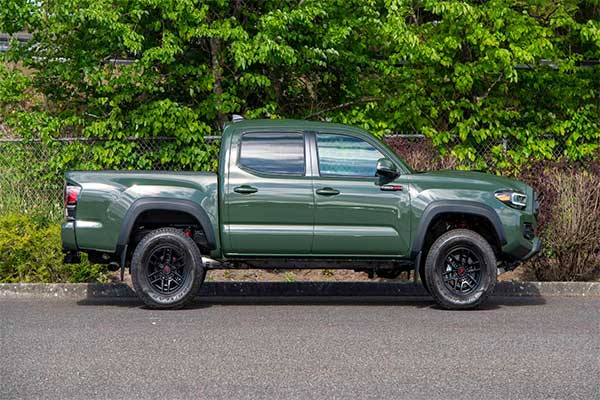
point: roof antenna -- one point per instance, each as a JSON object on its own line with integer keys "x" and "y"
{"x": 236, "y": 118}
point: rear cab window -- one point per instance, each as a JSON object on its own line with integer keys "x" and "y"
{"x": 273, "y": 153}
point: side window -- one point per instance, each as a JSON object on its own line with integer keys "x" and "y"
{"x": 273, "y": 153}
{"x": 346, "y": 156}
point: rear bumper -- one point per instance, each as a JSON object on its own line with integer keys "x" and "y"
{"x": 72, "y": 257}
{"x": 69, "y": 244}
{"x": 67, "y": 236}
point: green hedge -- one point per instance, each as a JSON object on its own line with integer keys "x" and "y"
{"x": 30, "y": 251}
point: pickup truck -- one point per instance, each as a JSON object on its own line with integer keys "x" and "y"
{"x": 300, "y": 194}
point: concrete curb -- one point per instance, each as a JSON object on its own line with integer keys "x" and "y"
{"x": 295, "y": 289}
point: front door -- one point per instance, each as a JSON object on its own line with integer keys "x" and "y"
{"x": 354, "y": 216}
{"x": 269, "y": 196}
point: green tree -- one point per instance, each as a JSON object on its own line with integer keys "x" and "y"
{"x": 465, "y": 73}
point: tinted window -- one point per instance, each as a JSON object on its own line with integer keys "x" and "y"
{"x": 273, "y": 153}
{"x": 346, "y": 156}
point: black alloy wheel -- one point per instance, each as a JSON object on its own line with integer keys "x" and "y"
{"x": 463, "y": 271}
{"x": 166, "y": 269}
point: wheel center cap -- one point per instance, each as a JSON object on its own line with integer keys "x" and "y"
{"x": 461, "y": 271}
{"x": 167, "y": 269}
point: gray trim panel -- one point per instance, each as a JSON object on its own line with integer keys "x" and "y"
{"x": 147, "y": 204}
{"x": 455, "y": 207}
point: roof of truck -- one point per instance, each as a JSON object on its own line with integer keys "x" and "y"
{"x": 241, "y": 126}
{"x": 287, "y": 123}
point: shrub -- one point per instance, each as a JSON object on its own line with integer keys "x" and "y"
{"x": 30, "y": 251}
{"x": 571, "y": 232}
{"x": 421, "y": 155}
{"x": 541, "y": 175}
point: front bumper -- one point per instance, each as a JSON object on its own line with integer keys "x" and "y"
{"x": 526, "y": 252}
{"x": 535, "y": 249}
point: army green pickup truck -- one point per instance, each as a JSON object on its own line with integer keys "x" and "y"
{"x": 298, "y": 194}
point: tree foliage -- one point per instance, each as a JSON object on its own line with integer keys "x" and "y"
{"x": 465, "y": 73}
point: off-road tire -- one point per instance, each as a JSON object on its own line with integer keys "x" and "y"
{"x": 192, "y": 266}
{"x": 437, "y": 265}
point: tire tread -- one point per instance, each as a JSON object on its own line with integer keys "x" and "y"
{"x": 440, "y": 242}
{"x": 138, "y": 255}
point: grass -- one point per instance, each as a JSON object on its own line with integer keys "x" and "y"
{"x": 289, "y": 277}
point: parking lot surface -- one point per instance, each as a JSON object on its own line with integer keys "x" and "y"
{"x": 305, "y": 348}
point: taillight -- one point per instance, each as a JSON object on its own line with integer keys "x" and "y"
{"x": 71, "y": 195}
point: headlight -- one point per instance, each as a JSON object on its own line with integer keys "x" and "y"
{"x": 512, "y": 199}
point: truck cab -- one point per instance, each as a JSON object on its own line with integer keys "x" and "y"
{"x": 311, "y": 192}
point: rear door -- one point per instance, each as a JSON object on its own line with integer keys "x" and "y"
{"x": 354, "y": 215}
{"x": 269, "y": 195}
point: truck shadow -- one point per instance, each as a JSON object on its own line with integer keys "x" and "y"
{"x": 313, "y": 293}
{"x": 404, "y": 301}
{"x": 401, "y": 301}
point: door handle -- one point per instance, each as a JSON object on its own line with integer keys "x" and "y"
{"x": 245, "y": 189}
{"x": 391, "y": 188}
{"x": 327, "y": 191}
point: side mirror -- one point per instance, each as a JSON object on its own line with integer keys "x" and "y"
{"x": 386, "y": 168}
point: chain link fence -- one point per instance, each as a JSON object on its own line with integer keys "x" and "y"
{"x": 30, "y": 177}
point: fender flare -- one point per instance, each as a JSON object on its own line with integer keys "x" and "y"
{"x": 438, "y": 207}
{"x": 147, "y": 204}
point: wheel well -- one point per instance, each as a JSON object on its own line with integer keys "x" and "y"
{"x": 447, "y": 221}
{"x": 150, "y": 220}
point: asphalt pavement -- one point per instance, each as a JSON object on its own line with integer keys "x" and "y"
{"x": 300, "y": 348}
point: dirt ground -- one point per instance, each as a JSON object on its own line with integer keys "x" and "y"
{"x": 305, "y": 275}
{"x": 313, "y": 275}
